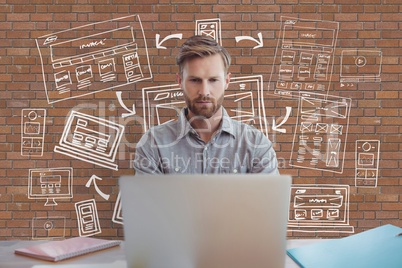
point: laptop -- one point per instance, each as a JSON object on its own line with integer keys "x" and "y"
{"x": 205, "y": 221}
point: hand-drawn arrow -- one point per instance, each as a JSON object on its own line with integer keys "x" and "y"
{"x": 93, "y": 179}
{"x": 131, "y": 112}
{"x": 259, "y": 42}
{"x": 276, "y": 127}
{"x": 158, "y": 44}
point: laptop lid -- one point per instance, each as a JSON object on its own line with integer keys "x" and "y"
{"x": 184, "y": 221}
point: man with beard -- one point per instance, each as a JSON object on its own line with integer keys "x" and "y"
{"x": 204, "y": 139}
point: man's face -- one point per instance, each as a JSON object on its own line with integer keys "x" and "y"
{"x": 203, "y": 82}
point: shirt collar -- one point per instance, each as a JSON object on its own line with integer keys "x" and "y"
{"x": 184, "y": 126}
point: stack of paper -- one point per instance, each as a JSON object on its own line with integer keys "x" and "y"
{"x": 375, "y": 248}
{"x": 60, "y": 250}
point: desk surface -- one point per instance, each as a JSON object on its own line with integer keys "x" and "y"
{"x": 112, "y": 257}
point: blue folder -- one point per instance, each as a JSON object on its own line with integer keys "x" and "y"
{"x": 378, "y": 247}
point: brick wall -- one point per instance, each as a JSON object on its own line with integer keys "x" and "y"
{"x": 348, "y": 32}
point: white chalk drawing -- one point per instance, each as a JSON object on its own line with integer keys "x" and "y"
{"x": 320, "y": 136}
{"x": 210, "y": 28}
{"x": 117, "y": 212}
{"x": 92, "y": 180}
{"x": 172, "y": 36}
{"x": 91, "y": 139}
{"x": 367, "y": 163}
{"x": 50, "y": 184}
{"x": 260, "y": 41}
{"x": 243, "y": 101}
{"x": 93, "y": 57}
{"x": 33, "y": 123}
{"x": 361, "y": 65}
{"x": 87, "y": 218}
{"x": 275, "y": 127}
{"x": 304, "y": 57}
{"x": 130, "y": 112}
{"x": 319, "y": 208}
{"x": 48, "y": 228}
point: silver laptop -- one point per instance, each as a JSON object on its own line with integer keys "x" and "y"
{"x": 205, "y": 221}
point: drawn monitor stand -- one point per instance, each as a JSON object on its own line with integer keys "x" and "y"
{"x": 91, "y": 139}
{"x": 32, "y": 132}
{"x": 319, "y": 208}
{"x": 367, "y": 163}
{"x": 50, "y": 184}
{"x": 243, "y": 101}
{"x": 361, "y": 65}
{"x": 93, "y": 58}
{"x": 304, "y": 57}
{"x": 319, "y": 141}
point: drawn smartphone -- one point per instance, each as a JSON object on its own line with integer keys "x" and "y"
{"x": 32, "y": 132}
{"x": 87, "y": 217}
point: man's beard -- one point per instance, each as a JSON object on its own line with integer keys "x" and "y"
{"x": 205, "y": 112}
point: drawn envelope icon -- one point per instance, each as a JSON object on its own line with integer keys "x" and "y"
{"x": 300, "y": 201}
{"x": 336, "y": 109}
{"x": 306, "y": 126}
{"x": 240, "y": 106}
{"x": 336, "y": 129}
{"x": 168, "y": 111}
{"x": 321, "y": 128}
{"x": 310, "y": 106}
{"x": 336, "y": 201}
{"x": 208, "y": 33}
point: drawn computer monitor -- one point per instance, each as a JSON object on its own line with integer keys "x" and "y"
{"x": 319, "y": 208}
{"x": 50, "y": 184}
{"x": 91, "y": 139}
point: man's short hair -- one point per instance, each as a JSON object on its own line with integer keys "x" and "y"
{"x": 201, "y": 46}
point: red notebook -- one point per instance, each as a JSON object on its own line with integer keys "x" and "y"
{"x": 68, "y": 248}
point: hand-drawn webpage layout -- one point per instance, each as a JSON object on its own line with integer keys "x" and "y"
{"x": 304, "y": 57}
{"x": 93, "y": 58}
{"x": 321, "y": 133}
{"x": 320, "y": 208}
{"x": 303, "y": 70}
{"x": 243, "y": 101}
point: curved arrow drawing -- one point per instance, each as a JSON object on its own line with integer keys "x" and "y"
{"x": 276, "y": 127}
{"x": 131, "y": 112}
{"x": 158, "y": 44}
{"x": 259, "y": 42}
{"x": 93, "y": 179}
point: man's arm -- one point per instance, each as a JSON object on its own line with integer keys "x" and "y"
{"x": 264, "y": 157}
{"x": 146, "y": 160}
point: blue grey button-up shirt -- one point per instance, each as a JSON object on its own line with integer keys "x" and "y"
{"x": 175, "y": 147}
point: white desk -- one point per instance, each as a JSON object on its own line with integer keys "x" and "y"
{"x": 112, "y": 257}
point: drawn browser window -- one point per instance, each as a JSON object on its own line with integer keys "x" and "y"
{"x": 243, "y": 101}
{"x": 304, "y": 57}
{"x": 361, "y": 65}
{"x": 93, "y": 58}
